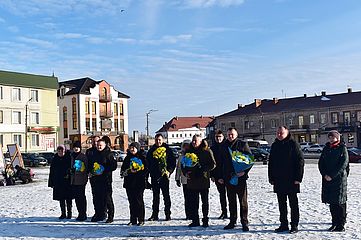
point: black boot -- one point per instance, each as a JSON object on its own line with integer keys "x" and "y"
{"x": 62, "y": 208}
{"x": 294, "y": 229}
{"x": 68, "y": 209}
{"x": 153, "y": 218}
{"x": 205, "y": 222}
{"x": 282, "y": 228}
{"x": 194, "y": 223}
{"x": 223, "y": 215}
{"x": 230, "y": 225}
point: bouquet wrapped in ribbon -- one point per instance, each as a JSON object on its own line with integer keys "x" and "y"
{"x": 98, "y": 169}
{"x": 79, "y": 166}
{"x": 135, "y": 165}
{"x": 161, "y": 155}
{"x": 189, "y": 160}
{"x": 241, "y": 162}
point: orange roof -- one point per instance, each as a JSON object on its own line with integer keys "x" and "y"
{"x": 177, "y": 123}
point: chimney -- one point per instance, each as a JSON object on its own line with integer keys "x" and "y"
{"x": 275, "y": 100}
{"x": 323, "y": 93}
{"x": 305, "y": 95}
{"x": 258, "y": 102}
{"x": 240, "y": 105}
{"x": 349, "y": 90}
{"x": 176, "y": 117}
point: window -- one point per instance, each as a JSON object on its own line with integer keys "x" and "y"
{"x": 35, "y": 118}
{"x": 1, "y": 140}
{"x": 34, "y": 95}
{"x": 65, "y": 132}
{"x": 273, "y": 123}
{"x": 65, "y": 122}
{"x": 246, "y": 124}
{"x": 16, "y": 94}
{"x": 346, "y": 118}
{"x": 121, "y": 125}
{"x": 121, "y": 110}
{"x": 173, "y": 135}
{"x": 87, "y": 107}
{"x": 87, "y": 124}
{"x": 94, "y": 124}
{"x": 176, "y": 135}
{"x": 74, "y": 111}
{"x": 65, "y": 114}
{"x": 334, "y": 117}
{"x": 233, "y": 124}
{"x": 116, "y": 125}
{"x": 323, "y": 118}
{"x": 104, "y": 92}
{"x": 1, "y": 116}
{"x": 35, "y": 140}
{"x": 94, "y": 108}
{"x": 223, "y": 126}
{"x": 16, "y": 117}
{"x": 1, "y": 93}
{"x": 359, "y": 116}
{"x": 313, "y": 138}
{"x": 290, "y": 121}
{"x": 300, "y": 120}
{"x": 18, "y": 139}
{"x": 116, "y": 109}
{"x": 312, "y": 119}
{"x": 180, "y": 135}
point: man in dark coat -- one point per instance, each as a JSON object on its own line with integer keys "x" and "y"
{"x": 285, "y": 173}
{"x": 162, "y": 163}
{"x": 233, "y": 145}
{"x": 102, "y": 164}
{"x": 91, "y": 151}
{"x": 217, "y": 172}
{"x": 333, "y": 166}
{"x": 198, "y": 179}
{"x": 59, "y": 180}
{"x": 79, "y": 179}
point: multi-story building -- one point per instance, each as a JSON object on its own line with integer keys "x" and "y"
{"x": 88, "y": 107}
{"x": 308, "y": 118}
{"x": 28, "y": 111}
{"x": 183, "y": 128}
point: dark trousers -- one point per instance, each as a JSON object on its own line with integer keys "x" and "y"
{"x": 99, "y": 192}
{"x": 338, "y": 213}
{"x": 65, "y": 206}
{"x": 222, "y": 196}
{"x": 156, "y": 187}
{"x": 80, "y": 199}
{"x": 109, "y": 201}
{"x": 187, "y": 202}
{"x": 282, "y": 205}
{"x": 194, "y": 200}
{"x": 241, "y": 191}
{"x": 136, "y": 204}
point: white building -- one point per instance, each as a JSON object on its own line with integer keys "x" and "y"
{"x": 88, "y": 107}
{"x": 28, "y": 111}
{"x": 183, "y": 128}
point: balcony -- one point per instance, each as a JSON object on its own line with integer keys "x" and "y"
{"x": 105, "y": 98}
{"x": 106, "y": 114}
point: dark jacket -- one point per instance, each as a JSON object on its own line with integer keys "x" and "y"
{"x": 333, "y": 162}
{"x": 107, "y": 160}
{"x": 285, "y": 166}
{"x": 154, "y": 167}
{"x": 228, "y": 169}
{"x": 59, "y": 177}
{"x": 79, "y": 177}
{"x": 198, "y": 176}
{"x": 135, "y": 180}
{"x": 219, "y": 156}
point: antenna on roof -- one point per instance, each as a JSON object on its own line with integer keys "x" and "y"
{"x": 53, "y": 74}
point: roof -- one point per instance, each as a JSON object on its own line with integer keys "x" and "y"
{"x": 297, "y": 103}
{"x": 28, "y": 80}
{"x": 83, "y": 85}
{"x": 177, "y": 123}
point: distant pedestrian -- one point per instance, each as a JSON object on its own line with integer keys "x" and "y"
{"x": 333, "y": 165}
{"x": 59, "y": 180}
{"x": 217, "y": 173}
{"x": 285, "y": 173}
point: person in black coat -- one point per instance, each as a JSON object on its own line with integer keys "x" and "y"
{"x": 134, "y": 182}
{"x": 101, "y": 167}
{"x": 59, "y": 180}
{"x": 285, "y": 173}
{"x": 79, "y": 179}
{"x": 217, "y": 172}
{"x": 233, "y": 145}
{"x": 162, "y": 163}
{"x": 333, "y": 166}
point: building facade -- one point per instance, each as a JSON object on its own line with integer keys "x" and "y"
{"x": 179, "y": 129}
{"x": 28, "y": 111}
{"x": 88, "y": 108}
{"x": 308, "y": 118}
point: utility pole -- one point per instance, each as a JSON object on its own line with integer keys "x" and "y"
{"x": 26, "y": 125}
{"x": 147, "y": 114}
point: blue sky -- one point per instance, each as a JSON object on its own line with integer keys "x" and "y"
{"x": 188, "y": 57}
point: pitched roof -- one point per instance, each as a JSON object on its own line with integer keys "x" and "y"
{"x": 297, "y": 103}
{"x": 28, "y": 80}
{"x": 177, "y": 123}
{"x": 83, "y": 85}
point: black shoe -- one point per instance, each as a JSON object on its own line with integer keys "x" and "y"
{"x": 194, "y": 224}
{"x": 62, "y": 216}
{"x": 205, "y": 222}
{"x": 294, "y": 230}
{"x": 68, "y": 216}
{"x": 245, "y": 228}
{"x": 168, "y": 218}
{"x": 109, "y": 220}
{"x": 230, "y": 225}
{"x": 338, "y": 229}
{"x": 331, "y": 228}
{"x": 281, "y": 229}
{"x": 81, "y": 218}
{"x": 223, "y": 216}
{"x": 97, "y": 219}
{"x": 131, "y": 223}
{"x": 153, "y": 218}
{"x": 141, "y": 223}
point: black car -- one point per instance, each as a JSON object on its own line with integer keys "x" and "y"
{"x": 48, "y": 156}
{"x": 260, "y": 154}
{"x": 33, "y": 160}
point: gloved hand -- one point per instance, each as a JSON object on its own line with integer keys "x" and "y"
{"x": 179, "y": 184}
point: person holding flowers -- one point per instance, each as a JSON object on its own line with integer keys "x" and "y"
{"x": 134, "y": 170}
{"x": 162, "y": 163}
{"x": 196, "y": 165}
{"x": 238, "y": 162}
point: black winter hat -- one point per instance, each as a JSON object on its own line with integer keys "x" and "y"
{"x": 136, "y": 145}
{"x": 77, "y": 144}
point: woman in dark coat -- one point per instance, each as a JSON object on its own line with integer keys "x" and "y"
{"x": 134, "y": 171}
{"x": 333, "y": 165}
{"x": 79, "y": 179}
{"x": 59, "y": 180}
{"x": 285, "y": 173}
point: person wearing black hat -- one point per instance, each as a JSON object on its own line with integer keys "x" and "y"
{"x": 134, "y": 171}
{"x": 333, "y": 165}
{"x": 79, "y": 179}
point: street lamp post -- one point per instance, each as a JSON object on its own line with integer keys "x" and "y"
{"x": 26, "y": 125}
{"x": 147, "y": 114}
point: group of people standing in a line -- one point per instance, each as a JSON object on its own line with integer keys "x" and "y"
{"x": 69, "y": 173}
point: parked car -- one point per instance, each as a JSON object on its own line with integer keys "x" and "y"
{"x": 48, "y": 156}
{"x": 315, "y": 148}
{"x": 175, "y": 151}
{"x": 260, "y": 154}
{"x": 266, "y": 148}
{"x": 354, "y": 155}
{"x": 305, "y": 145}
{"x": 119, "y": 155}
{"x": 33, "y": 160}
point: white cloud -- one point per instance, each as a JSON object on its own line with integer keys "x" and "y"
{"x": 126, "y": 40}
{"x": 70, "y": 35}
{"x": 167, "y": 39}
{"x": 38, "y": 42}
{"x": 98, "y": 40}
{"x": 211, "y": 3}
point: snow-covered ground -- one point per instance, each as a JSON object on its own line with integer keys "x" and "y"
{"x": 28, "y": 212}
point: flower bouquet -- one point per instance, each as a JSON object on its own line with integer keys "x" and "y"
{"x": 98, "y": 169}
{"x": 79, "y": 166}
{"x": 241, "y": 162}
{"x": 136, "y": 165}
{"x": 161, "y": 155}
{"x": 190, "y": 163}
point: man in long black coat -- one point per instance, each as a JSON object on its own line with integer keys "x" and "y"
{"x": 285, "y": 173}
